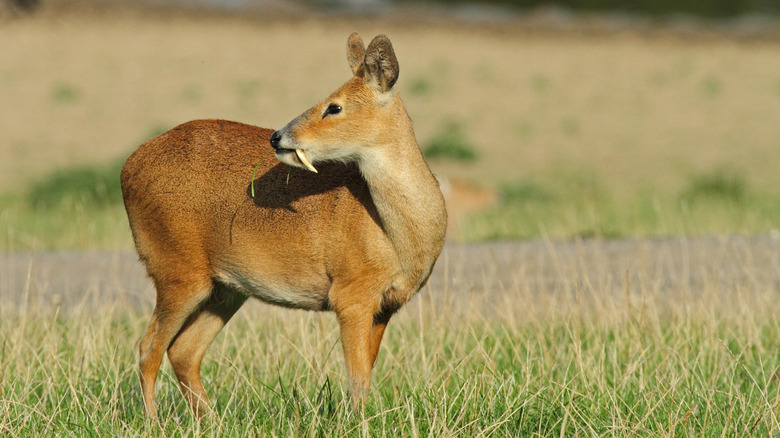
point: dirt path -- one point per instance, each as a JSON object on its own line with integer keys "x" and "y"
{"x": 88, "y": 281}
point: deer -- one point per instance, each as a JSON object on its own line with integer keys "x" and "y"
{"x": 349, "y": 218}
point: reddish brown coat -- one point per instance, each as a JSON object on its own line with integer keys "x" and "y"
{"x": 359, "y": 237}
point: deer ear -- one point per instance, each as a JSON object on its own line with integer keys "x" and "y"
{"x": 356, "y": 54}
{"x": 381, "y": 64}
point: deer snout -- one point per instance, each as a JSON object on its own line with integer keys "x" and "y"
{"x": 276, "y": 139}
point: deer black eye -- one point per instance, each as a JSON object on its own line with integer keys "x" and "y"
{"x": 331, "y": 110}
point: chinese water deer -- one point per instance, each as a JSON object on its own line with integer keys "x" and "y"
{"x": 351, "y": 220}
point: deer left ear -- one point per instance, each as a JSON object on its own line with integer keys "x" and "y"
{"x": 381, "y": 64}
{"x": 356, "y": 54}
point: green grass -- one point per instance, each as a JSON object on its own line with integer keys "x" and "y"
{"x": 81, "y": 208}
{"x": 666, "y": 363}
{"x": 717, "y": 202}
{"x": 95, "y": 186}
{"x": 65, "y": 93}
{"x": 711, "y": 86}
{"x": 720, "y": 185}
{"x": 25, "y": 227}
{"x": 78, "y": 207}
{"x": 581, "y": 359}
{"x": 540, "y": 83}
{"x": 420, "y": 86}
{"x": 450, "y": 144}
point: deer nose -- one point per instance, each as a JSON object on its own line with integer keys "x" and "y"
{"x": 276, "y": 138}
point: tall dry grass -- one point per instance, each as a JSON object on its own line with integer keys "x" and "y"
{"x": 648, "y": 338}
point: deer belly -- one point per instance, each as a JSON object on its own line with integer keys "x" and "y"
{"x": 301, "y": 294}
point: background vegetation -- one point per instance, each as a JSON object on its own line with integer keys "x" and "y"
{"x": 701, "y": 8}
{"x": 559, "y": 136}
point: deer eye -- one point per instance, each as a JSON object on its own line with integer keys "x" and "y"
{"x": 331, "y": 110}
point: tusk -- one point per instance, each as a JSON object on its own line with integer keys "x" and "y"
{"x": 304, "y": 160}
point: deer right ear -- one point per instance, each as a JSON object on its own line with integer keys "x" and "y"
{"x": 356, "y": 54}
{"x": 381, "y": 65}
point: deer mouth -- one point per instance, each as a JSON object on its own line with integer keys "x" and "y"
{"x": 305, "y": 160}
{"x": 301, "y": 157}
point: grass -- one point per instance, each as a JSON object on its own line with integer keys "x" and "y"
{"x": 627, "y": 106}
{"x": 96, "y": 186}
{"x": 639, "y": 350}
{"x": 75, "y": 226}
{"x": 450, "y": 144}
{"x": 64, "y": 93}
{"x": 588, "y": 355}
{"x": 420, "y": 86}
{"x": 641, "y": 114}
{"x": 716, "y": 202}
{"x": 721, "y": 184}
{"x": 81, "y": 208}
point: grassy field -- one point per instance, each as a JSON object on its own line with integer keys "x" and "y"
{"x": 542, "y": 136}
{"x": 564, "y": 135}
{"x": 618, "y": 343}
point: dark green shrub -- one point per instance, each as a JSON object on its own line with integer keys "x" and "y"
{"x": 90, "y": 186}
{"x": 450, "y": 144}
{"x": 520, "y": 192}
{"x": 420, "y": 86}
{"x": 65, "y": 93}
{"x": 723, "y": 185}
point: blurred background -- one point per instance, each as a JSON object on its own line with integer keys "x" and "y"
{"x": 573, "y": 118}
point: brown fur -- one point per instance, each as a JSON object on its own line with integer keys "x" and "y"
{"x": 359, "y": 238}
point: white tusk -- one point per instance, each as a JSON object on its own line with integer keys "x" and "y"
{"x": 304, "y": 160}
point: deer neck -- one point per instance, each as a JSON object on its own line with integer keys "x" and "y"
{"x": 408, "y": 200}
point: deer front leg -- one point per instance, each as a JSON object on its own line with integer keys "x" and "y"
{"x": 356, "y": 325}
{"x": 377, "y": 331}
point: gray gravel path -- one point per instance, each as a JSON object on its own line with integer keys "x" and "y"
{"x": 86, "y": 281}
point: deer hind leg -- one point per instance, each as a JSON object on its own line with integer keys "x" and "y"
{"x": 190, "y": 344}
{"x": 176, "y": 301}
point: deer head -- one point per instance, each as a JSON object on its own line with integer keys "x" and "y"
{"x": 356, "y": 120}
